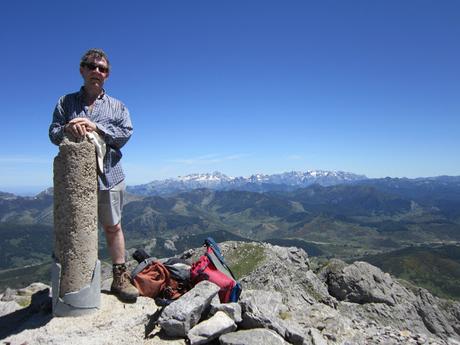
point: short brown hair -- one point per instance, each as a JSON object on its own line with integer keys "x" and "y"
{"x": 97, "y": 53}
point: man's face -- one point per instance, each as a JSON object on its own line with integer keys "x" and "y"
{"x": 94, "y": 72}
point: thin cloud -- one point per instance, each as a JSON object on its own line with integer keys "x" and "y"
{"x": 208, "y": 159}
{"x": 295, "y": 157}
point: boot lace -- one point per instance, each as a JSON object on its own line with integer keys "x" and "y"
{"x": 125, "y": 279}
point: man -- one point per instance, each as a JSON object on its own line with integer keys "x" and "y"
{"x": 92, "y": 110}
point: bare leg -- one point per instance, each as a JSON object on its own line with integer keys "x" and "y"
{"x": 121, "y": 285}
{"x": 115, "y": 242}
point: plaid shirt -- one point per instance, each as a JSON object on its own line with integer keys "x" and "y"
{"x": 112, "y": 119}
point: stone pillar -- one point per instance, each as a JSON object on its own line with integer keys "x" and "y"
{"x": 76, "y": 270}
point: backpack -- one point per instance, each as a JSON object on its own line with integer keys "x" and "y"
{"x": 166, "y": 281}
{"x": 150, "y": 277}
{"x": 211, "y": 266}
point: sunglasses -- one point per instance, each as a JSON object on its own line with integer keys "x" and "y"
{"x": 92, "y": 66}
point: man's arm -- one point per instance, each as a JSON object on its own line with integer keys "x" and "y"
{"x": 117, "y": 132}
{"x": 57, "y": 127}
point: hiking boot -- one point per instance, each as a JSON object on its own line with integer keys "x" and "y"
{"x": 121, "y": 285}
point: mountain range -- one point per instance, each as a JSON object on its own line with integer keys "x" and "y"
{"x": 256, "y": 183}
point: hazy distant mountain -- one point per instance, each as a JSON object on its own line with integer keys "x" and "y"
{"x": 7, "y": 196}
{"x": 361, "y": 215}
{"x": 18, "y": 210}
{"x": 256, "y": 183}
{"x": 428, "y": 188}
{"x": 441, "y": 193}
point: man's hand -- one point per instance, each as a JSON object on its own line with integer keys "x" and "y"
{"x": 79, "y": 126}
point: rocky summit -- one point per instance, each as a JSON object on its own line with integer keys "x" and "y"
{"x": 287, "y": 299}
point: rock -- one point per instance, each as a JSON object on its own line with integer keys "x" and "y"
{"x": 316, "y": 337}
{"x": 184, "y": 313}
{"x": 433, "y": 318}
{"x": 362, "y": 283}
{"x": 115, "y": 323}
{"x": 295, "y": 333}
{"x": 264, "y": 309}
{"x": 334, "y": 326}
{"x": 261, "y": 309}
{"x": 282, "y": 297}
{"x": 37, "y": 299}
{"x": 399, "y": 317}
{"x": 215, "y": 301}
{"x": 211, "y": 329}
{"x": 40, "y": 301}
{"x": 452, "y": 311}
{"x": 233, "y": 310}
{"x": 24, "y": 296}
{"x": 333, "y": 265}
{"x": 8, "y": 295}
{"x": 317, "y": 289}
{"x": 170, "y": 245}
{"x": 287, "y": 270}
{"x": 253, "y": 337}
{"x": 8, "y": 307}
{"x": 292, "y": 255}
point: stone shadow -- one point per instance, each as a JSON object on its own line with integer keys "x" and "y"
{"x": 36, "y": 315}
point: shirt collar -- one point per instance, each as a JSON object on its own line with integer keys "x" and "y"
{"x": 81, "y": 94}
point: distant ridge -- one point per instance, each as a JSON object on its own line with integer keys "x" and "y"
{"x": 255, "y": 182}
{"x": 287, "y": 181}
{"x": 7, "y": 196}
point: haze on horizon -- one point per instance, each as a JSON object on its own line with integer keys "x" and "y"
{"x": 242, "y": 87}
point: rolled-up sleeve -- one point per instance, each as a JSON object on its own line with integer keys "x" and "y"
{"x": 117, "y": 133}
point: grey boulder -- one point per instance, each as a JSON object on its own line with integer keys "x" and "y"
{"x": 211, "y": 329}
{"x": 362, "y": 283}
{"x": 258, "y": 336}
{"x": 183, "y": 314}
{"x": 233, "y": 310}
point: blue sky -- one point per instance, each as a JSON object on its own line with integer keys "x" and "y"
{"x": 241, "y": 87}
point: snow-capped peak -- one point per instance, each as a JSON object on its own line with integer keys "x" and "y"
{"x": 259, "y": 181}
{"x": 215, "y": 176}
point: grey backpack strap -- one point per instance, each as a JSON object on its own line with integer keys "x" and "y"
{"x": 220, "y": 265}
{"x": 141, "y": 266}
{"x": 179, "y": 271}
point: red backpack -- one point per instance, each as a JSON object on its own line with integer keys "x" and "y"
{"x": 211, "y": 266}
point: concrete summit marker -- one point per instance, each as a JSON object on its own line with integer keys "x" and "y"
{"x": 76, "y": 268}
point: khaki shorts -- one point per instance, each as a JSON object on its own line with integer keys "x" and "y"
{"x": 110, "y": 204}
